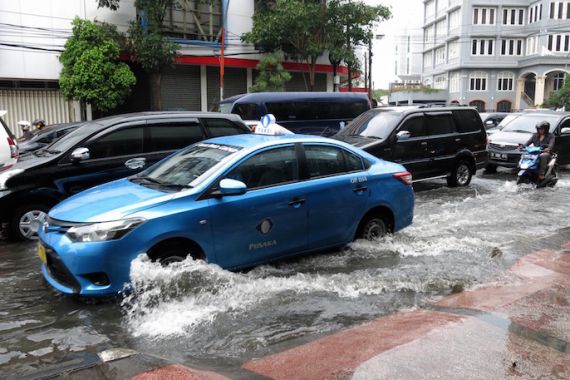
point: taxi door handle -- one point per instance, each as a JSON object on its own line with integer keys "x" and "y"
{"x": 296, "y": 202}
{"x": 360, "y": 189}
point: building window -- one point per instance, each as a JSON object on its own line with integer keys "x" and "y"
{"x": 440, "y": 31}
{"x": 532, "y": 45}
{"x": 453, "y": 50}
{"x": 511, "y": 47}
{"x": 513, "y": 16}
{"x": 455, "y": 83}
{"x": 558, "y": 81}
{"x": 482, "y": 47}
{"x": 484, "y": 16}
{"x": 428, "y": 60}
{"x": 454, "y": 20}
{"x": 478, "y": 81}
{"x": 479, "y": 104}
{"x": 559, "y": 43}
{"x": 440, "y": 82}
{"x": 505, "y": 81}
{"x": 535, "y": 13}
{"x": 430, "y": 9}
{"x": 504, "y": 106}
{"x": 559, "y": 10}
{"x": 440, "y": 55}
{"x": 441, "y": 6}
{"x": 429, "y": 34}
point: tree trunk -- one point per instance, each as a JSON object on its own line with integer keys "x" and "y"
{"x": 155, "y": 83}
{"x": 312, "y": 68}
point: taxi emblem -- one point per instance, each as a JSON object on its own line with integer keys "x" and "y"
{"x": 265, "y": 226}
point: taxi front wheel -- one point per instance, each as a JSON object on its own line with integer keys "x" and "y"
{"x": 26, "y": 221}
{"x": 373, "y": 228}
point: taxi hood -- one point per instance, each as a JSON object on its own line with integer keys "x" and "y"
{"x": 111, "y": 201}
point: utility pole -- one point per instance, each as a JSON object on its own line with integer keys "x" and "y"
{"x": 370, "y": 68}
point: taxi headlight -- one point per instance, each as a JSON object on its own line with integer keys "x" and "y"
{"x": 103, "y": 231}
{"x": 5, "y": 176}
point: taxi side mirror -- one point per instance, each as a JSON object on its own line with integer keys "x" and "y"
{"x": 231, "y": 187}
{"x": 80, "y": 154}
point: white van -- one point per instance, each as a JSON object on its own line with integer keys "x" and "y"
{"x": 8, "y": 147}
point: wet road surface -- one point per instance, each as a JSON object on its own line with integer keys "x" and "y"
{"x": 206, "y": 317}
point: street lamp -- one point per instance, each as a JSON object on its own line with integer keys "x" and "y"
{"x": 369, "y": 79}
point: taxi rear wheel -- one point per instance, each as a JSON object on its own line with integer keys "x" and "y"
{"x": 26, "y": 221}
{"x": 373, "y": 228}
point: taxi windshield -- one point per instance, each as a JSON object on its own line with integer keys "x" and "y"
{"x": 189, "y": 167}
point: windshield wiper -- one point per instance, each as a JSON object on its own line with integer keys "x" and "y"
{"x": 519, "y": 131}
{"x": 160, "y": 183}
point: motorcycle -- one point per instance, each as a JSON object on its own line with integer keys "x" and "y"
{"x": 529, "y": 164}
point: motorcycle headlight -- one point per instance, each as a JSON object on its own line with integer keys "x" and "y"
{"x": 104, "y": 231}
{"x": 5, "y": 176}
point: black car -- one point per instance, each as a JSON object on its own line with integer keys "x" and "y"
{"x": 518, "y": 130}
{"x": 46, "y": 136}
{"x": 431, "y": 142}
{"x": 98, "y": 152}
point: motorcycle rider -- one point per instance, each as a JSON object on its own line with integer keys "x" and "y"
{"x": 39, "y": 124}
{"x": 542, "y": 138}
{"x": 26, "y": 133}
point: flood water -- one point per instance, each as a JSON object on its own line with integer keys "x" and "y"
{"x": 204, "y": 316}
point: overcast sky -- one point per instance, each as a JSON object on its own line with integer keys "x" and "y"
{"x": 405, "y": 14}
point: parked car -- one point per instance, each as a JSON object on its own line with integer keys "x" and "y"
{"x": 503, "y": 144}
{"x": 8, "y": 147}
{"x": 44, "y": 137}
{"x": 235, "y": 201}
{"x": 98, "y": 152}
{"x": 313, "y": 113}
{"x": 431, "y": 142}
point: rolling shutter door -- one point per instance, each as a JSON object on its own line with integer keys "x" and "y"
{"x": 235, "y": 83}
{"x": 180, "y": 88}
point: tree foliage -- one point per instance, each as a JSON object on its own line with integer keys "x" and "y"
{"x": 561, "y": 98}
{"x": 305, "y": 29}
{"x": 91, "y": 70}
{"x": 272, "y": 76}
{"x": 145, "y": 41}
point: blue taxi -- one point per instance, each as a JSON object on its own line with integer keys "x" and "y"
{"x": 235, "y": 201}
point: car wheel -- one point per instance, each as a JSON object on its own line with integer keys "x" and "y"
{"x": 373, "y": 228}
{"x": 460, "y": 176}
{"x": 26, "y": 221}
{"x": 170, "y": 253}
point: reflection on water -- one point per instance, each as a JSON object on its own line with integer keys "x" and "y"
{"x": 199, "y": 313}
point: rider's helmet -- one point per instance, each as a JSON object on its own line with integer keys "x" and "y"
{"x": 39, "y": 123}
{"x": 25, "y": 125}
{"x": 544, "y": 125}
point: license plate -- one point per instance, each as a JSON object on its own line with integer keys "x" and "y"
{"x": 499, "y": 156}
{"x": 42, "y": 253}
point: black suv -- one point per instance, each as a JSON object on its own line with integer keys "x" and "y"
{"x": 98, "y": 152}
{"x": 519, "y": 128}
{"x": 431, "y": 142}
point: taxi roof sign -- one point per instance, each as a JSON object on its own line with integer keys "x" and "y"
{"x": 268, "y": 126}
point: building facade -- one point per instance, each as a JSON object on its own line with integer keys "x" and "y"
{"x": 35, "y": 31}
{"x": 498, "y": 55}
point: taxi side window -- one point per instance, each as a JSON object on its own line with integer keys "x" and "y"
{"x": 268, "y": 168}
{"x": 324, "y": 161}
{"x": 123, "y": 142}
{"x": 415, "y": 126}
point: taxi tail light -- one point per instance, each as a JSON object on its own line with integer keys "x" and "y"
{"x": 404, "y": 177}
{"x": 13, "y": 148}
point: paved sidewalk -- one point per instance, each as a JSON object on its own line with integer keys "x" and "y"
{"x": 518, "y": 327}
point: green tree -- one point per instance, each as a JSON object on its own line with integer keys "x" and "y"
{"x": 145, "y": 41}
{"x": 272, "y": 76}
{"x": 351, "y": 24}
{"x": 296, "y": 27}
{"x": 92, "y": 72}
{"x": 305, "y": 29}
{"x": 561, "y": 98}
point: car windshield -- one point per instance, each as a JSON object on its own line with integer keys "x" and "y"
{"x": 374, "y": 124}
{"x": 527, "y": 123}
{"x": 190, "y": 166}
{"x": 70, "y": 140}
